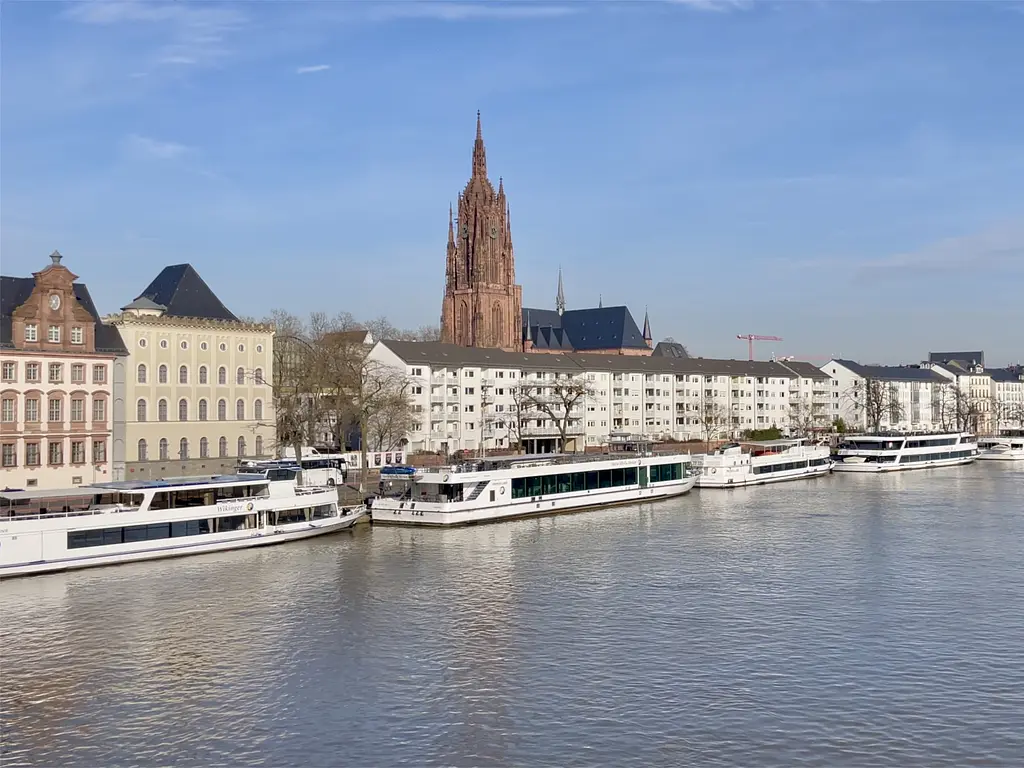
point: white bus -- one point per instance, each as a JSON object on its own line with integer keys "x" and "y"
{"x": 319, "y": 470}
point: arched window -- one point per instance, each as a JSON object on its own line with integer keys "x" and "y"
{"x": 140, "y": 410}
{"x": 140, "y": 373}
{"x": 202, "y": 410}
{"x": 223, "y": 447}
{"x": 462, "y": 324}
{"x": 143, "y": 451}
{"x": 222, "y": 375}
{"x": 240, "y": 376}
{"x": 257, "y": 410}
{"x": 183, "y": 410}
{"x": 202, "y": 375}
{"x": 183, "y": 448}
{"x": 204, "y": 448}
{"x": 240, "y": 410}
{"x": 257, "y": 376}
{"x": 222, "y": 410}
{"x": 259, "y": 445}
{"x": 163, "y": 449}
{"x": 161, "y": 410}
{"x": 183, "y": 375}
{"x": 161, "y": 374}
{"x": 241, "y": 446}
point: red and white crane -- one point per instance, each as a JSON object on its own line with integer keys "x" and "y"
{"x": 750, "y": 338}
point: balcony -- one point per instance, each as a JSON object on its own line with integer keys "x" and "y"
{"x": 532, "y": 430}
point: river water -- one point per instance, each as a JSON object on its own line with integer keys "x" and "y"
{"x": 844, "y": 621}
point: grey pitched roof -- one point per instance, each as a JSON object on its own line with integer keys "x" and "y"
{"x": 14, "y": 291}
{"x": 437, "y": 354}
{"x": 670, "y": 349}
{"x": 970, "y": 358}
{"x": 892, "y": 372}
{"x": 584, "y": 329}
{"x": 1013, "y": 373}
{"x": 185, "y": 294}
{"x": 805, "y": 370}
{"x": 143, "y": 303}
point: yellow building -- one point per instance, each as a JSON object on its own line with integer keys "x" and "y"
{"x": 198, "y": 394}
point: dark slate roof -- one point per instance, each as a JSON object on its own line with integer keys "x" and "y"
{"x": 892, "y": 372}
{"x": 970, "y": 358}
{"x": 437, "y": 354}
{"x": 185, "y": 294}
{"x": 143, "y": 303}
{"x": 1006, "y": 374}
{"x": 14, "y": 291}
{"x": 584, "y": 329}
{"x": 805, "y": 370}
{"x": 670, "y": 349}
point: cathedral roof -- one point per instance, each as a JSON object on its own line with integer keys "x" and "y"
{"x": 584, "y": 329}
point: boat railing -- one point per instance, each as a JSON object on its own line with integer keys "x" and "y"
{"x": 8, "y": 515}
{"x": 555, "y": 459}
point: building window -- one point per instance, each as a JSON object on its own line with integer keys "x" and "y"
{"x": 202, "y": 374}
{"x": 202, "y": 410}
{"x": 241, "y": 447}
{"x": 78, "y": 451}
{"x": 77, "y": 373}
{"x": 32, "y": 409}
{"x": 417, "y": 371}
{"x": 163, "y": 343}
{"x": 99, "y": 409}
{"x": 183, "y": 448}
{"x": 99, "y": 451}
{"x": 257, "y": 376}
{"x": 56, "y": 373}
{"x": 56, "y": 451}
{"x": 184, "y": 345}
{"x": 143, "y": 452}
{"x": 240, "y": 376}
{"x": 203, "y": 346}
{"x": 183, "y": 410}
{"x": 31, "y": 454}
{"x": 10, "y": 456}
{"x": 222, "y": 375}
{"x": 32, "y": 371}
{"x": 222, "y": 447}
{"x": 77, "y": 336}
{"x": 10, "y": 371}
{"x": 142, "y": 343}
{"x": 204, "y": 448}
{"x": 183, "y": 374}
{"x": 55, "y": 409}
{"x": 222, "y": 410}
{"x": 53, "y": 334}
{"x": 164, "y": 452}
{"x": 140, "y": 410}
{"x": 223, "y": 347}
{"x": 140, "y": 374}
{"x": 241, "y": 347}
{"x": 78, "y": 411}
{"x": 240, "y": 410}
{"x": 31, "y": 332}
{"x": 257, "y": 410}
{"x": 259, "y": 445}
{"x": 99, "y": 374}
{"x": 161, "y": 410}
{"x": 259, "y": 347}
{"x": 8, "y": 409}
{"x": 161, "y": 374}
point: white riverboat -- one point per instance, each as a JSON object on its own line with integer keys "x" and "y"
{"x": 755, "y": 463}
{"x": 122, "y": 522}
{"x": 894, "y": 452}
{"x": 1008, "y": 446}
{"x": 520, "y": 486}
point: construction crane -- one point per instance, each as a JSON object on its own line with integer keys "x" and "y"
{"x": 750, "y": 338}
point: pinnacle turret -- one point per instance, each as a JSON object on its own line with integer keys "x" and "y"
{"x": 647, "y": 327}
{"x": 479, "y": 153}
{"x": 560, "y": 296}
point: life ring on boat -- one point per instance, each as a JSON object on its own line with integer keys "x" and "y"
{"x": 502, "y": 490}
{"x": 445, "y": 478}
{"x": 248, "y": 507}
{"x": 713, "y": 471}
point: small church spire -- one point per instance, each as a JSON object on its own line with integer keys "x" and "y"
{"x": 529, "y": 333}
{"x": 600, "y": 301}
{"x": 479, "y": 154}
{"x": 451, "y": 225}
{"x": 647, "y": 327}
{"x": 560, "y": 296}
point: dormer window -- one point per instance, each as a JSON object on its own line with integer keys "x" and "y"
{"x": 77, "y": 336}
{"x": 31, "y": 332}
{"x": 53, "y": 334}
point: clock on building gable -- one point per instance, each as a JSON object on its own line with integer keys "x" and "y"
{"x": 54, "y": 301}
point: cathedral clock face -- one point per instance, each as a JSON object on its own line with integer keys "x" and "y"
{"x": 55, "y": 301}
{"x": 494, "y": 233}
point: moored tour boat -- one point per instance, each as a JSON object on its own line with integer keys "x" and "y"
{"x": 894, "y": 452}
{"x": 121, "y": 522}
{"x": 1008, "y": 446}
{"x": 520, "y": 486}
{"x": 756, "y": 463}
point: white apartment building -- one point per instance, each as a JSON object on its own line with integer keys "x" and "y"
{"x": 465, "y": 397}
{"x": 907, "y": 398}
{"x": 198, "y": 379}
{"x": 1007, "y": 398}
{"x": 993, "y": 397}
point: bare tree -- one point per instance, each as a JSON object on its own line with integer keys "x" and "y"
{"x": 713, "y": 418}
{"x": 959, "y": 409}
{"x": 878, "y": 401}
{"x": 559, "y": 400}
{"x": 517, "y": 416}
{"x": 802, "y": 420}
{"x": 382, "y": 328}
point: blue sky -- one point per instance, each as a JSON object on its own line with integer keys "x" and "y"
{"x": 846, "y": 175}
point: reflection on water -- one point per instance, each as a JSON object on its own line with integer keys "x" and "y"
{"x": 843, "y": 621}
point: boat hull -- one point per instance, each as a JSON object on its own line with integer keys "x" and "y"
{"x": 711, "y": 481}
{"x": 215, "y": 542}
{"x": 875, "y": 467}
{"x": 389, "y": 512}
{"x": 1001, "y": 456}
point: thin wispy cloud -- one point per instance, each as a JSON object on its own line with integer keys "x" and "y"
{"x": 446, "y": 11}
{"x": 717, "y": 6}
{"x": 314, "y": 68}
{"x": 145, "y": 146}
{"x": 1001, "y": 246}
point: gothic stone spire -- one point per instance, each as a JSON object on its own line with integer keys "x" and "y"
{"x": 560, "y": 296}
{"x": 479, "y": 153}
{"x": 647, "y": 327}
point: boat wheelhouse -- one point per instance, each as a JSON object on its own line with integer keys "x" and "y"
{"x": 120, "y": 522}
{"x": 756, "y": 463}
{"x": 1007, "y": 446}
{"x": 520, "y": 486}
{"x": 894, "y": 452}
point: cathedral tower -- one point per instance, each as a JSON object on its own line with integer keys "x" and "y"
{"x": 482, "y": 304}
